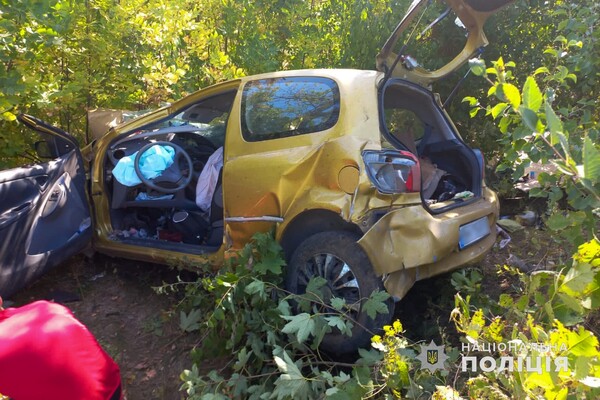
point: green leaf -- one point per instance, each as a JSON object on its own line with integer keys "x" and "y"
{"x": 557, "y": 222}
{"x": 504, "y": 123}
{"x": 529, "y": 117}
{"x": 537, "y": 192}
{"x": 508, "y": 92}
{"x": 582, "y": 367}
{"x": 369, "y": 357}
{"x": 270, "y": 262}
{"x": 561, "y": 39}
{"x": 291, "y": 383}
{"x": 572, "y": 77}
{"x": 190, "y": 322}
{"x": 338, "y": 303}
{"x": 364, "y": 14}
{"x": 554, "y": 124}
{"x": 376, "y": 304}
{"x": 499, "y": 63}
{"x": 582, "y": 343}
{"x": 8, "y": 116}
{"x": 532, "y": 95}
{"x": 254, "y": 287}
{"x": 578, "y": 278}
{"x": 562, "y": 73}
{"x": 339, "y": 323}
{"x": 562, "y": 167}
{"x": 284, "y": 308}
{"x": 471, "y": 100}
{"x": 477, "y": 67}
{"x": 571, "y": 302}
{"x": 302, "y": 325}
{"x": 505, "y": 300}
{"x": 320, "y": 330}
{"x": 589, "y": 253}
{"x": 591, "y": 160}
{"x": 243, "y": 357}
{"x": 498, "y": 109}
{"x": 491, "y": 71}
{"x": 315, "y": 284}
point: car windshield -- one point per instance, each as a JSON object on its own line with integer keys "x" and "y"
{"x": 207, "y": 117}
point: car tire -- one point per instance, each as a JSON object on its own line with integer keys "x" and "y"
{"x": 328, "y": 254}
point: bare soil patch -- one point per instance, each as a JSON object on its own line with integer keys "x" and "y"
{"x": 115, "y": 300}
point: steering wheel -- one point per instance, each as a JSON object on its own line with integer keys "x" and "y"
{"x": 173, "y": 175}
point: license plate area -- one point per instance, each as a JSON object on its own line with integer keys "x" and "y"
{"x": 473, "y": 232}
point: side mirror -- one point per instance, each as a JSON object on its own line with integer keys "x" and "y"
{"x": 44, "y": 150}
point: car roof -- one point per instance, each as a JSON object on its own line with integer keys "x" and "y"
{"x": 343, "y": 75}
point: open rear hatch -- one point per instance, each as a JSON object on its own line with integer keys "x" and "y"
{"x": 470, "y": 14}
{"x": 412, "y": 117}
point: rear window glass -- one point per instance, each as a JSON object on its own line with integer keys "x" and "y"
{"x": 282, "y": 107}
{"x": 400, "y": 122}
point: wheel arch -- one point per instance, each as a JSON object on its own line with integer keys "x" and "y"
{"x": 311, "y": 222}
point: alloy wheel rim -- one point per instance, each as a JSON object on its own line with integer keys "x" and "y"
{"x": 341, "y": 281}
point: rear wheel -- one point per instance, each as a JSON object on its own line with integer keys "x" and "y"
{"x": 337, "y": 258}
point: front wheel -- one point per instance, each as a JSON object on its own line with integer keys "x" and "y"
{"x": 342, "y": 263}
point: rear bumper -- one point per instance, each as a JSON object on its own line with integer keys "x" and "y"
{"x": 412, "y": 240}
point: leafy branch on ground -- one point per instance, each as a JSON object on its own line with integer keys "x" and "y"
{"x": 271, "y": 338}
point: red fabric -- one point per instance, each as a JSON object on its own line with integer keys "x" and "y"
{"x": 45, "y": 353}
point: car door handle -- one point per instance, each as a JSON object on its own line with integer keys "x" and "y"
{"x": 12, "y": 215}
{"x": 55, "y": 199}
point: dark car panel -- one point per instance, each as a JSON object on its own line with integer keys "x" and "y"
{"x": 44, "y": 219}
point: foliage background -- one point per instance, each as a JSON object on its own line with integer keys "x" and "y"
{"x": 59, "y": 58}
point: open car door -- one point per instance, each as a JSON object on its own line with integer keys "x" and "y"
{"x": 472, "y": 15}
{"x": 44, "y": 213}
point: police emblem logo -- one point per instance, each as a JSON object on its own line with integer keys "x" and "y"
{"x": 432, "y": 357}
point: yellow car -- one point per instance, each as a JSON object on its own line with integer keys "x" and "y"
{"x": 362, "y": 175}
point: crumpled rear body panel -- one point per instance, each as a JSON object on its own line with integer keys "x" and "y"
{"x": 410, "y": 244}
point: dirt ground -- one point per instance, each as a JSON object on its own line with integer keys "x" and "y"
{"x": 115, "y": 299}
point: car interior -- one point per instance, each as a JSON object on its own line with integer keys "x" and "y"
{"x": 416, "y": 123}
{"x": 152, "y": 175}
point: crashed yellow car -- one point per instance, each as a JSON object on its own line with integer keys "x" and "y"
{"x": 361, "y": 174}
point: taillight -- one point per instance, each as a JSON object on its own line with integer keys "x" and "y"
{"x": 393, "y": 171}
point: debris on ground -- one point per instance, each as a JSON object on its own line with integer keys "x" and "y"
{"x": 509, "y": 225}
{"x": 528, "y": 218}
{"x": 506, "y": 239}
{"x": 519, "y": 263}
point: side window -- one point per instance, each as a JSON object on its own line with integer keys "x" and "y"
{"x": 51, "y": 147}
{"x": 282, "y": 107}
